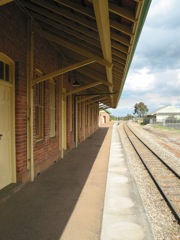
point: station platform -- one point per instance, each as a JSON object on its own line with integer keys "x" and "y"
{"x": 77, "y": 198}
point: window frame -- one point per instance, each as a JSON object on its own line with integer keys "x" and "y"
{"x": 40, "y": 107}
{"x": 52, "y": 108}
{"x": 7, "y": 72}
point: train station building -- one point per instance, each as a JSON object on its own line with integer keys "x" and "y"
{"x": 58, "y": 61}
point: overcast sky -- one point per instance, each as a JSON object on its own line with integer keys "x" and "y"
{"x": 154, "y": 74}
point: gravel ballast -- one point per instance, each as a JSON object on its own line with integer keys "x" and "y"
{"x": 163, "y": 223}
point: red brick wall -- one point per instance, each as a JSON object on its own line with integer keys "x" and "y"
{"x": 47, "y": 150}
{"x": 103, "y": 118}
{"x": 13, "y": 43}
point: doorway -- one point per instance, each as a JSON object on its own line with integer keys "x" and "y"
{"x": 7, "y": 139}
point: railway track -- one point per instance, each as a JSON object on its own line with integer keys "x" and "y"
{"x": 164, "y": 176}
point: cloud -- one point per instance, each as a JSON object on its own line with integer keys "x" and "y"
{"x": 140, "y": 80}
{"x": 154, "y": 74}
{"x": 159, "y": 45}
{"x": 164, "y": 14}
{"x": 160, "y": 51}
{"x": 168, "y": 82}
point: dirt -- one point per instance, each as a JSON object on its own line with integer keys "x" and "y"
{"x": 169, "y": 139}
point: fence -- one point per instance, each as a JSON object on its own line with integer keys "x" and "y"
{"x": 170, "y": 123}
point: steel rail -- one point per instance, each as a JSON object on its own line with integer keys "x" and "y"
{"x": 168, "y": 201}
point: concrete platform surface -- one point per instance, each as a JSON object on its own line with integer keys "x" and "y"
{"x": 65, "y": 202}
{"x": 89, "y": 195}
{"x": 124, "y": 217}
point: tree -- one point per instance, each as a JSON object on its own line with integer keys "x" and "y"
{"x": 113, "y": 118}
{"x": 128, "y": 117}
{"x": 140, "y": 109}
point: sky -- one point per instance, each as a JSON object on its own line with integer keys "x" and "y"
{"x": 154, "y": 74}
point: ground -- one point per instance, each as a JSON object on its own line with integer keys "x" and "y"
{"x": 169, "y": 139}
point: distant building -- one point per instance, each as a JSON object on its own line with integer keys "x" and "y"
{"x": 164, "y": 113}
{"x": 104, "y": 117}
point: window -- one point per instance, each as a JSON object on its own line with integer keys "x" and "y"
{"x": 4, "y": 71}
{"x": 52, "y": 109}
{"x": 39, "y": 108}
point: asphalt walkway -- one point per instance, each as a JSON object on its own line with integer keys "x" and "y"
{"x": 65, "y": 202}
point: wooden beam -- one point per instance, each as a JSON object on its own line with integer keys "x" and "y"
{"x": 101, "y": 8}
{"x": 121, "y": 27}
{"x": 96, "y": 100}
{"x": 60, "y": 11}
{"x": 119, "y": 60}
{"x": 59, "y": 22}
{"x": 83, "y": 88}
{"x": 87, "y": 98}
{"x": 119, "y": 47}
{"x": 119, "y": 54}
{"x": 61, "y": 71}
{"x": 120, "y": 11}
{"x": 120, "y": 39}
{"x": 116, "y": 64}
{"x": 71, "y": 32}
{"x": 3, "y": 2}
{"x": 102, "y": 18}
{"x": 77, "y": 7}
{"x": 94, "y": 77}
{"x": 118, "y": 72}
{"x": 75, "y": 48}
{"x": 30, "y": 102}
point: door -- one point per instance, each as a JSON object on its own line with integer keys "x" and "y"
{"x": 7, "y": 126}
{"x": 5, "y": 136}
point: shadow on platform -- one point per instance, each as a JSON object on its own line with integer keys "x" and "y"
{"x": 41, "y": 209}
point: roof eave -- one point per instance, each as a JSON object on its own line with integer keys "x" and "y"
{"x": 144, "y": 12}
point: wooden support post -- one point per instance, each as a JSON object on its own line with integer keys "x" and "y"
{"x": 30, "y": 105}
{"x": 61, "y": 118}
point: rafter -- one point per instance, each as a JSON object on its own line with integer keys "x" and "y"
{"x": 103, "y": 31}
{"x": 96, "y": 100}
{"x": 94, "y": 76}
{"x": 87, "y": 98}
{"x": 70, "y": 32}
{"x": 101, "y": 9}
{"x": 83, "y": 88}
{"x": 120, "y": 39}
{"x": 74, "y": 48}
{"x": 3, "y": 2}
{"x": 119, "y": 54}
{"x": 59, "y": 22}
{"x": 61, "y": 71}
{"x": 119, "y": 60}
{"x": 60, "y": 11}
{"x": 76, "y": 7}
{"x": 121, "y": 27}
{"x": 114, "y": 8}
{"x": 119, "y": 47}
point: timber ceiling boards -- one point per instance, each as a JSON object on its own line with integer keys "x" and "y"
{"x": 101, "y": 30}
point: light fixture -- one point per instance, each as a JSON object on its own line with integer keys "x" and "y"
{"x": 76, "y": 83}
